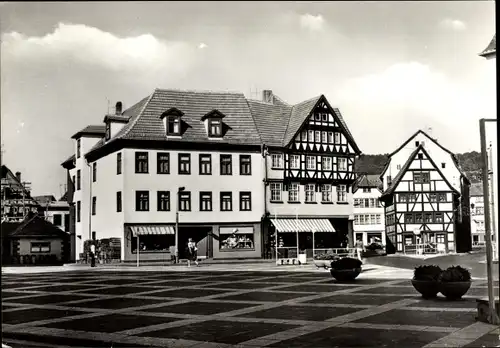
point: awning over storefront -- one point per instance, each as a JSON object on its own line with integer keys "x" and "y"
{"x": 151, "y": 230}
{"x": 303, "y": 225}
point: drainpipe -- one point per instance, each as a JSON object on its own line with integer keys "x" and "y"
{"x": 265, "y": 155}
{"x": 90, "y": 198}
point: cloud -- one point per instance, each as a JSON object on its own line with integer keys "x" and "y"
{"x": 311, "y": 22}
{"x": 410, "y": 96}
{"x": 92, "y": 46}
{"x": 454, "y": 24}
{"x": 202, "y": 45}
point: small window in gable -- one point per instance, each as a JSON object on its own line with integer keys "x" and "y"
{"x": 416, "y": 143}
{"x": 420, "y": 156}
{"x": 214, "y": 124}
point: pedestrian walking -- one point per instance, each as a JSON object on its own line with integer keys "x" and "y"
{"x": 92, "y": 255}
{"x": 359, "y": 248}
{"x": 192, "y": 252}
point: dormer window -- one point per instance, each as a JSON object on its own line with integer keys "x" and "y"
{"x": 108, "y": 131}
{"x": 174, "y": 125}
{"x": 172, "y": 121}
{"x": 213, "y": 123}
{"x": 215, "y": 127}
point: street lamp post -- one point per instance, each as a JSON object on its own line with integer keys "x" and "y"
{"x": 177, "y": 224}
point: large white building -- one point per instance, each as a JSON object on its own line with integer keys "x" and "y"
{"x": 226, "y": 164}
{"x": 426, "y": 198}
{"x": 369, "y": 221}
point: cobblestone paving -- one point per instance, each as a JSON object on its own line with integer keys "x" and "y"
{"x": 199, "y": 308}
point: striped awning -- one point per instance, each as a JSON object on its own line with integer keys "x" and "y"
{"x": 303, "y": 225}
{"x": 151, "y": 230}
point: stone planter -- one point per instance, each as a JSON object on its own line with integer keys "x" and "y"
{"x": 345, "y": 274}
{"x": 428, "y": 288}
{"x": 454, "y": 290}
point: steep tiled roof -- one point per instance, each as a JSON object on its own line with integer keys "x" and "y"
{"x": 367, "y": 180}
{"x": 36, "y": 226}
{"x": 271, "y": 121}
{"x": 492, "y": 47}
{"x": 476, "y": 190}
{"x": 91, "y": 130}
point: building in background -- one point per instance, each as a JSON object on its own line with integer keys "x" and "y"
{"x": 55, "y": 211}
{"x": 201, "y": 155}
{"x": 16, "y": 197}
{"x": 426, "y": 199}
{"x": 477, "y": 214}
{"x": 490, "y": 53}
{"x": 369, "y": 221}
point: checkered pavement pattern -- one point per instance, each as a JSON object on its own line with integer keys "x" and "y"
{"x": 203, "y": 308}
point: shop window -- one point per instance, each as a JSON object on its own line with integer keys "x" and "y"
{"x": 40, "y": 247}
{"x": 239, "y": 238}
{"x": 153, "y": 243}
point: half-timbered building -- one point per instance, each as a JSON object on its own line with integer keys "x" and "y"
{"x": 309, "y": 172}
{"x": 426, "y": 203}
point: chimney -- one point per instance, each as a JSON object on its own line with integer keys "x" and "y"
{"x": 118, "y": 108}
{"x": 18, "y": 176}
{"x": 267, "y": 96}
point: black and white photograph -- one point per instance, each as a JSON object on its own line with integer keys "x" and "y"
{"x": 244, "y": 174}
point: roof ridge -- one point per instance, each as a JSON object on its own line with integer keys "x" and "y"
{"x": 197, "y": 91}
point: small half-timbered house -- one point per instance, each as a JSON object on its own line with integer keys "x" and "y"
{"x": 427, "y": 202}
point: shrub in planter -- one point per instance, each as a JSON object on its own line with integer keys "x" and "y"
{"x": 454, "y": 282}
{"x": 345, "y": 269}
{"x": 425, "y": 280}
{"x": 324, "y": 259}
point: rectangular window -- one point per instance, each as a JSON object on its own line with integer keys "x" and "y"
{"x": 412, "y": 197}
{"x": 107, "y": 135}
{"x": 367, "y": 190}
{"x": 40, "y": 247}
{"x": 78, "y": 147}
{"x": 373, "y": 219}
{"x": 326, "y": 193}
{"x": 310, "y": 193}
{"x": 234, "y": 239}
{"x": 438, "y": 217}
{"x": 421, "y": 177}
{"x": 275, "y": 191}
{"x": 342, "y": 193}
{"x": 318, "y": 137}
{"x": 304, "y": 136}
{"x": 366, "y": 202}
{"x": 428, "y": 218}
{"x": 163, "y": 201}
{"x": 185, "y": 201}
{"x": 337, "y": 138}
{"x": 78, "y": 211}
{"x": 174, "y": 125}
{"x": 398, "y": 166}
{"x": 214, "y": 128}
{"x": 378, "y": 219}
{"x": 356, "y": 219}
{"x": 418, "y": 218}
{"x": 330, "y": 137}
{"x": 443, "y": 165}
{"x": 205, "y": 164}
{"x": 311, "y": 162}
{"x": 324, "y": 117}
{"x": 432, "y": 197}
{"x": 389, "y": 180}
{"x": 276, "y": 161}
{"x": 94, "y": 172}
{"x": 310, "y": 136}
{"x": 416, "y": 143}
{"x": 226, "y": 167}
{"x": 118, "y": 163}
{"x": 293, "y": 192}
{"x": 245, "y": 165}
{"x": 142, "y": 200}
{"x": 184, "y": 163}
{"x": 342, "y": 164}
{"x": 57, "y": 219}
{"x": 94, "y": 203}
{"x": 245, "y": 201}
{"x": 402, "y": 197}
{"x": 442, "y": 197}
{"x": 372, "y": 202}
{"x": 294, "y": 162}
{"x": 361, "y": 219}
{"x": 226, "y": 201}
{"x": 78, "y": 180}
{"x": 326, "y": 163}
{"x": 66, "y": 222}
{"x": 323, "y": 137}
{"x": 317, "y": 117}
{"x": 118, "y": 202}
{"x": 141, "y": 162}
{"x": 420, "y": 156}
{"x": 205, "y": 201}
{"x": 163, "y": 163}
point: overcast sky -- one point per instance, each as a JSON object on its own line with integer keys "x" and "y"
{"x": 391, "y": 67}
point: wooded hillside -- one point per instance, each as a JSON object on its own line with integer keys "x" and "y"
{"x": 374, "y": 164}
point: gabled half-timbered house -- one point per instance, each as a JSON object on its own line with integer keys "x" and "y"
{"x": 427, "y": 202}
{"x": 309, "y": 171}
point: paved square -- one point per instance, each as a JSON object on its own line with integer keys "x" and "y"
{"x": 169, "y": 307}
